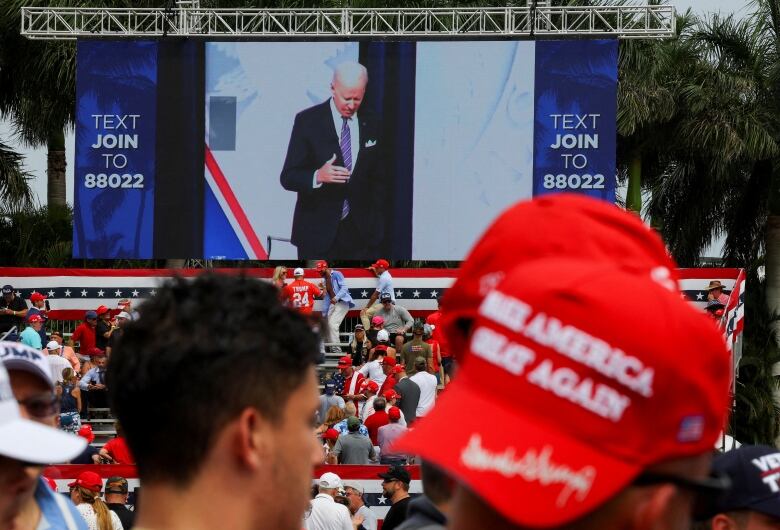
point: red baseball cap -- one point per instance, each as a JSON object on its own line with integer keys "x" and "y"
{"x": 377, "y": 320}
{"x": 88, "y": 480}
{"x": 390, "y": 361}
{"x": 574, "y": 225}
{"x": 345, "y": 362}
{"x": 330, "y": 434}
{"x": 394, "y": 413}
{"x": 381, "y": 263}
{"x": 95, "y": 352}
{"x": 390, "y": 394}
{"x": 37, "y": 297}
{"x": 86, "y": 432}
{"x": 321, "y": 265}
{"x": 369, "y": 385}
{"x": 603, "y": 395}
{"x": 35, "y": 318}
{"x": 102, "y": 309}
{"x": 398, "y": 368}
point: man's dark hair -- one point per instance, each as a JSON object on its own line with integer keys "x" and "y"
{"x": 380, "y": 403}
{"x": 201, "y": 352}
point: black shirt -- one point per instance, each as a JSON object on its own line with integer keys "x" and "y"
{"x": 86, "y": 456}
{"x": 396, "y": 514}
{"x": 9, "y": 321}
{"x": 126, "y": 516}
{"x": 114, "y": 338}
{"x": 102, "y": 327}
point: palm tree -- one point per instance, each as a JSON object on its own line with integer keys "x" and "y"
{"x": 15, "y": 192}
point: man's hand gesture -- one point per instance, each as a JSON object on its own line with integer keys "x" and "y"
{"x": 330, "y": 174}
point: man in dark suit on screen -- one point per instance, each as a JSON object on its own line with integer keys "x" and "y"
{"x": 333, "y": 163}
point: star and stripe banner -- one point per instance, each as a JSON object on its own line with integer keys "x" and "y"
{"x": 71, "y": 292}
{"x": 364, "y": 476}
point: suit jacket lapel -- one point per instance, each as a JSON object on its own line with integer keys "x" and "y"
{"x": 330, "y": 133}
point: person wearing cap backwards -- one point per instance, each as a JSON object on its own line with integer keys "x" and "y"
{"x": 564, "y": 372}
{"x": 336, "y": 301}
{"x": 56, "y": 363}
{"x": 29, "y": 440}
{"x": 300, "y": 294}
{"x": 325, "y": 513}
{"x": 85, "y": 494}
{"x": 329, "y": 399}
{"x": 13, "y": 310}
{"x": 416, "y": 348}
{"x": 353, "y": 491}
{"x": 31, "y": 335}
{"x": 753, "y": 502}
{"x": 103, "y": 327}
{"x": 231, "y": 406}
{"x": 384, "y": 285}
{"x": 84, "y": 333}
{"x": 395, "y": 486}
{"x": 116, "y": 331}
{"x": 350, "y": 381}
{"x": 38, "y": 302}
{"x": 117, "y": 492}
{"x": 397, "y": 320}
{"x": 94, "y": 383}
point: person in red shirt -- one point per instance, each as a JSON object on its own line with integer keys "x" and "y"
{"x": 436, "y": 359}
{"x": 377, "y": 419}
{"x": 352, "y": 380}
{"x": 84, "y": 333}
{"x": 434, "y": 320}
{"x": 301, "y": 294}
{"x": 388, "y": 365}
{"x": 116, "y": 450}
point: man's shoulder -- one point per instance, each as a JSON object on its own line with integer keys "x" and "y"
{"x": 315, "y": 111}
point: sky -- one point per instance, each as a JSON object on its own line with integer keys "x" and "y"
{"x": 36, "y": 158}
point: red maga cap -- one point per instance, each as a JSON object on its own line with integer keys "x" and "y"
{"x": 367, "y": 384}
{"x": 389, "y": 361}
{"x": 568, "y": 391}
{"x": 86, "y": 432}
{"x": 102, "y": 309}
{"x": 390, "y": 394}
{"x": 553, "y": 225}
{"x": 398, "y": 368}
{"x": 88, "y": 480}
{"x": 37, "y": 297}
{"x": 381, "y": 263}
{"x": 321, "y": 265}
{"x": 345, "y": 362}
{"x": 394, "y": 413}
{"x": 35, "y": 318}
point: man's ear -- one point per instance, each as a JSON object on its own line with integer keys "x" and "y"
{"x": 723, "y": 522}
{"x": 252, "y": 439}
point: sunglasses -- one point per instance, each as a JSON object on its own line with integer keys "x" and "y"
{"x": 41, "y": 406}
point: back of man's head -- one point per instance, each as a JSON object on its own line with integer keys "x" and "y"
{"x": 437, "y": 485}
{"x": 379, "y": 404}
{"x": 201, "y": 353}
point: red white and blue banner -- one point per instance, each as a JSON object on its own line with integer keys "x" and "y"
{"x": 365, "y": 476}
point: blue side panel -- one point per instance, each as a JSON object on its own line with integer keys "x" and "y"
{"x": 575, "y": 117}
{"x": 116, "y": 113}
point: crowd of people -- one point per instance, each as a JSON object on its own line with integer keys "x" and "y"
{"x": 546, "y": 407}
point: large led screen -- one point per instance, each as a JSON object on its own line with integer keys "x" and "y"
{"x": 351, "y": 150}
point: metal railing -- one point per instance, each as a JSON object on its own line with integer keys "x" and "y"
{"x": 621, "y": 21}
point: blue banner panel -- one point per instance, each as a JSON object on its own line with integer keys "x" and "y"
{"x": 116, "y": 111}
{"x": 575, "y": 117}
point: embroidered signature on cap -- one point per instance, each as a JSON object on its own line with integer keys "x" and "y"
{"x": 532, "y": 466}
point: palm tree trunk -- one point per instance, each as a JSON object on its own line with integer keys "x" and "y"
{"x": 55, "y": 170}
{"x": 634, "y": 192}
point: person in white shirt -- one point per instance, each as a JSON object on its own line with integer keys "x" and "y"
{"x": 373, "y": 368}
{"x": 325, "y": 513}
{"x": 354, "y": 493}
{"x": 428, "y": 385}
{"x": 57, "y": 363}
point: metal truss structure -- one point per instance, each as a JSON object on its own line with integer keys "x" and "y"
{"x": 187, "y": 19}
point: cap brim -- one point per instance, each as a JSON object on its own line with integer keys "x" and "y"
{"x": 509, "y": 457}
{"x": 32, "y": 442}
{"x": 29, "y": 367}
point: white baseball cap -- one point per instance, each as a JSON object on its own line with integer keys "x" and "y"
{"x": 125, "y": 315}
{"x": 53, "y": 345}
{"x": 330, "y": 481}
{"x": 17, "y": 356}
{"x": 27, "y": 440}
{"x": 355, "y": 486}
{"x": 298, "y": 272}
{"x": 382, "y": 335}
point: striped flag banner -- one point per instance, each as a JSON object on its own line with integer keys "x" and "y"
{"x": 365, "y": 476}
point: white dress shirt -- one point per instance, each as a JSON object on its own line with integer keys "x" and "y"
{"x": 428, "y": 384}
{"x": 327, "y": 515}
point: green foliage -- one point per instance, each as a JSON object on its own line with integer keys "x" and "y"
{"x": 757, "y": 416}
